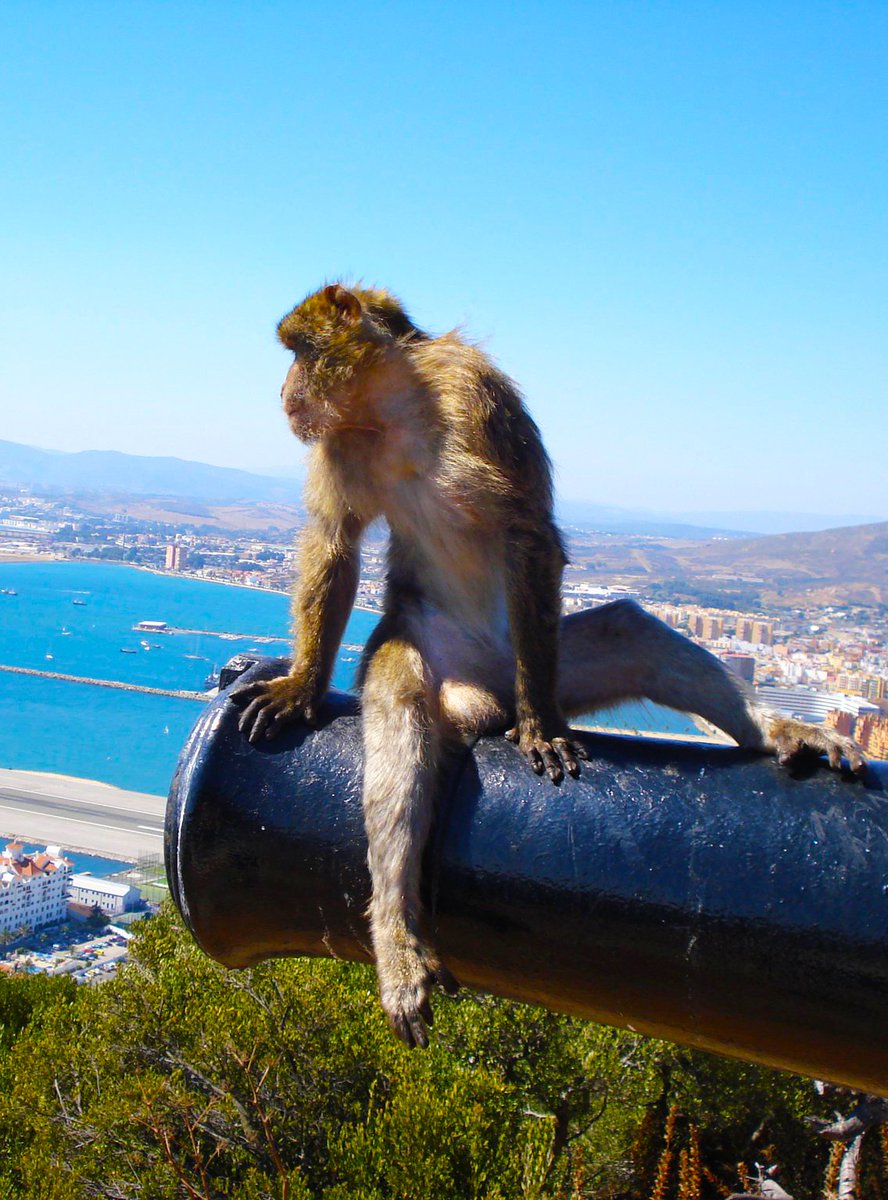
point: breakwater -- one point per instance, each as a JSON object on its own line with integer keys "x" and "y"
{"x": 178, "y": 694}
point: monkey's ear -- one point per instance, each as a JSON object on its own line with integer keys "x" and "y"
{"x": 344, "y": 301}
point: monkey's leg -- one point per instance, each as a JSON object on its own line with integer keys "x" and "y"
{"x": 620, "y": 652}
{"x": 401, "y": 745}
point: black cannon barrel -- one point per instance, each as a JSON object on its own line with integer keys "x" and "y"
{"x": 698, "y": 893}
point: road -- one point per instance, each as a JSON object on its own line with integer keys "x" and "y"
{"x": 79, "y": 814}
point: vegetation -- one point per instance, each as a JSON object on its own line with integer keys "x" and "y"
{"x": 178, "y": 1079}
{"x": 707, "y": 595}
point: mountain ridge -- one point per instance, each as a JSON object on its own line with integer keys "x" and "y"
{"x": 91, "y": 472}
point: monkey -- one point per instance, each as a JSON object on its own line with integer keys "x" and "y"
{"x": 427, "y": 433}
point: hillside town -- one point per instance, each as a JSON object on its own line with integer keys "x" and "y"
{"x": 822, "y": 662}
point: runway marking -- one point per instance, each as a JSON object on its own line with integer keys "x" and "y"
{"x": 80, "y": 821}
{"x": 35, "y": 796}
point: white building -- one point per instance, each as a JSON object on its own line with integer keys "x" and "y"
{"x": 110, "y": 896}
{"x": 33, "y": 888}
{"x": 806, "y": 704}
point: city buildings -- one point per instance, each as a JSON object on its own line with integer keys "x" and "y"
{"x": 175, "y": 558}
{"x": 756, "y": 633}
{"x": 111, "y": 897}
{"x": 33, "y": 888}
{"x": 809, "y": 704}
{"x": 741, "y": 665}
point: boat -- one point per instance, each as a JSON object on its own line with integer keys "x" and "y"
{"x": 127, "y": 650}
{"x": 76, "y": 601}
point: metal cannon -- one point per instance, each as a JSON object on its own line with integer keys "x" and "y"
{"x": 698, "y": 893}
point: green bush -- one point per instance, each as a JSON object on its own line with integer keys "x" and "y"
{"x": 180, "y": 1079}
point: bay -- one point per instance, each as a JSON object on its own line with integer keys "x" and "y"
{"x": 127, "y": 738}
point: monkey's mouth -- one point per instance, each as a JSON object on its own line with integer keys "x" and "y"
{"x": 306, "y": 428}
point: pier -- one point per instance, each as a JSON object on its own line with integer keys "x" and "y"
{"x": 156, "y": 627}
{"x": 108, "y": 683}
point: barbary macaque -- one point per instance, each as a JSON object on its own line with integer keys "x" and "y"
{"x": 427, "y": 433}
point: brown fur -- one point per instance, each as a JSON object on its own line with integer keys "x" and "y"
{"x": 427, "y": 433}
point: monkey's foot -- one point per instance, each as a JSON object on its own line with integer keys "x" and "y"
{"x": 794, "y": 741}
{"x": 271, "y": 704}
{"x": 406, "y": 978}
{"x": 552, "y": 751}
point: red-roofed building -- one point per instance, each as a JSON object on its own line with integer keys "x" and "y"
{"x": 33, "y": 887}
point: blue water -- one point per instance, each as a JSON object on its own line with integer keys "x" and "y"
{"x": 126, "y": 738}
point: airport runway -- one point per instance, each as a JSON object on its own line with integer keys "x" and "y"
{"x": 79, "y": 814}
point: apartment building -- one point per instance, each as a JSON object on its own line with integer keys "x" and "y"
{"x": 33, "y": 888}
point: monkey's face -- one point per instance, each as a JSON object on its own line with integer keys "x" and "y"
{"x": 338, "y": 337}
{"x": 310, "y": 415}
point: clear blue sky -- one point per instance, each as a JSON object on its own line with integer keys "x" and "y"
{"x": 667, "y": 221}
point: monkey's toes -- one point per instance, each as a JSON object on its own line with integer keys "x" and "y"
{"x": 409, "y": 1014}
{"x": 569, "y": 752}
{"x": 801, "y": 745}
{"x": 446, "y": 980}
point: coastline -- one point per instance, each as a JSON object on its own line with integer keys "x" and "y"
{"x": 232, "y": 583}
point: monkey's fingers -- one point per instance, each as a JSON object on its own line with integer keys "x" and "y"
{"x": 536, "y": 760}
{"x": 410, "y": 1025}
{"x": 800, "y": 744}
{"x": 856, "y": 761}
{"x": 568, "y": 753}
{"x": 788, "y": 751}
{"x": 445, "y": 979}
{"x": 286, "y": 716}
{"x": 552, "y": 761}
{"x": 241, "y": 693}
{"x": 249, "y": 714}
{"x": 256, "y": 718}
{"x": 835, "y": 746}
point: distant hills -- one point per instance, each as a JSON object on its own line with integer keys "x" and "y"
{"x": 832, "y": 566}
{"x": 96, "y": 471}
{"x": 111, "y": 473}
{"x": 700, "y": 524}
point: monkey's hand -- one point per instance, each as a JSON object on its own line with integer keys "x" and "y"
{"x": 548, "y": 747}
{"x": 408, "y": 969}
{"x": 273, "y": 703}
{"x": 795, "y": 741}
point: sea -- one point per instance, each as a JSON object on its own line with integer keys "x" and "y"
{"x": 77, "y": 619}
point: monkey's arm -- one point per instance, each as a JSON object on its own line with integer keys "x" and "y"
{"x": 534, "y": 562}
{"x": 329, "y": 567}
